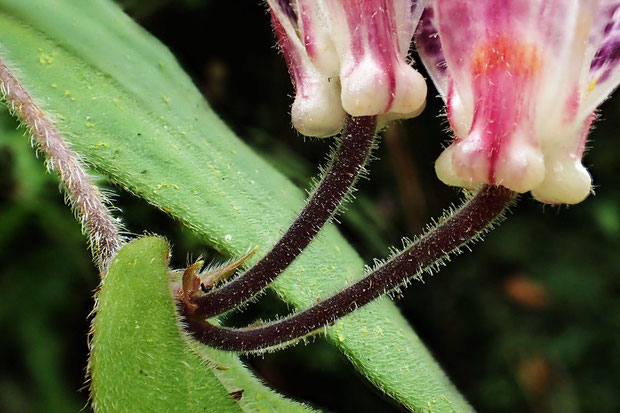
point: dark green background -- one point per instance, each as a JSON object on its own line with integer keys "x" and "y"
{"x": 528, "y": 322}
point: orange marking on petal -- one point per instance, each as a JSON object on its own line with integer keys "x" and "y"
{"x": 504, "y": 53}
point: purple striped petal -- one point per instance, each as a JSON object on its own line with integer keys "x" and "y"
{"x": 429, "y": 48}
{"x": 604, "y": 74}
{"x": 286, "y": 7}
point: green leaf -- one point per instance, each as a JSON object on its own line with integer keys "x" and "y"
{"x": 122, "y": 101}
{"x": 140, "y": 360}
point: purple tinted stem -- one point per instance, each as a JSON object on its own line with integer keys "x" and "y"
{"x": 344, "y": 169}
{"x": 464, "y": 225}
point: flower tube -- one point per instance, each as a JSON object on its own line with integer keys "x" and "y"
{"x": 348, "y": 57}
{"x": 521, "y": 80}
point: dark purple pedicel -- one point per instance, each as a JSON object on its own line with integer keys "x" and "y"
{"x": 465, "y": 224}
{"x": 344, "y": 170}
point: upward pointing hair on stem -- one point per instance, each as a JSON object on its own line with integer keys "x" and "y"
{"x": 82, "y": 194}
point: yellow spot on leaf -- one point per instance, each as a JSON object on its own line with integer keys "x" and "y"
{"x": 166, "y": 185}
{"x": 47, "y": 59}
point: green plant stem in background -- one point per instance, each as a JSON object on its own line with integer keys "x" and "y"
{"x": 346, "y": 165}
{"x": 89, "y": 204}
{"x": 126, "y": 107}
{"x": 466, "y": 224}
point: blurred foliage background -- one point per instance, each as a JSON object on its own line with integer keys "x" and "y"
{"x": 528, "y": 322}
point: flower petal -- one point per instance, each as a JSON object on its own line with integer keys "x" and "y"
{"x": 375, "y": 75}
{"x": 566, "y": 181}
{"x": 495, "y": 71}
{"x": 466, "y": 26}
{"x": 514, "y": 68}
{"x": 428, "y": 45}
{"x": 316, "y": 37}
{"x": 408, "y": 13}
{"x": 316, "y": 110}
{"x": 604, "y": 74}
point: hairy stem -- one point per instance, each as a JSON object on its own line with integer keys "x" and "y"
{"x": 344, "y": 169}
{"x": 467, "y": 223}
{"x": 85, "y": 198}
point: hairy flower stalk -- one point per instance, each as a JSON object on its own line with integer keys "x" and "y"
{"x": 351, "y": 74}
{"x": 343, "y": 171}
{"x": 82, "y": 194}
{"x": 464, "y": 225}
{"x": 521, "y": 80}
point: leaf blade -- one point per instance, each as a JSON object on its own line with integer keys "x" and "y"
{"x": 140, "y": 361}
{"x": 147, "y": 130}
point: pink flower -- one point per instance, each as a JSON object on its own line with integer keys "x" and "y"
{"x": 348, "y": 56}
{"x": 521, "y": 80}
